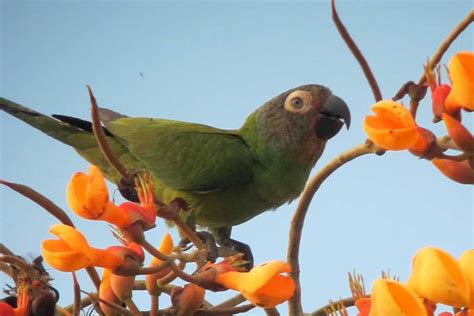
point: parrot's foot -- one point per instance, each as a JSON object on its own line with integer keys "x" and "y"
{"x": 239, "y": 247}
{"x": 128, "y": 191}
{"x": 208, "y": 239}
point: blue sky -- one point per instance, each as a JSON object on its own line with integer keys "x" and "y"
{"x": 215, "y": 63}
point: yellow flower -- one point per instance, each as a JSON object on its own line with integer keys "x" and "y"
{"x": 165, "y": 247}
{"x": 88, "y": 197}
{"x": 438, "y": 277}
{"x": 72, "y": 251}
{"x": 392, "y": 127}
{"x": 466, "y": 261}
{"x": 392, "y": 298}
{"x": 461, "y": 73}
{"x": 263, "y": 286}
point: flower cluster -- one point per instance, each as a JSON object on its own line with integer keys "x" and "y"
{"x": 266, "y": 285}
{"x": 436, "y": 278}
{"x": 393, "y": 127}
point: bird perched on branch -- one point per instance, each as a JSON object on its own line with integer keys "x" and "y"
{"x": 226, "y": 176}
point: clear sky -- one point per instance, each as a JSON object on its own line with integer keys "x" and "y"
{"x": 215, "y": 63}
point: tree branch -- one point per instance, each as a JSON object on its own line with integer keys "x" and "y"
{"x": 54, "y": 210}
{"x": 102, "y": 141}
{"x": 299, "y": 215}
{"x": 443, "y": 47}
{"x": 357, "y": 53}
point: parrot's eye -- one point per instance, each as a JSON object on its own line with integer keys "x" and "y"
{"x": 298, "y": 101}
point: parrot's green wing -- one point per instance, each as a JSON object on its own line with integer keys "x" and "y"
{"x": 186, "y": 156}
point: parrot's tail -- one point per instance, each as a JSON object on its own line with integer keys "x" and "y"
{"x": 62, "y": 131}
{"x": 76, "y": 133}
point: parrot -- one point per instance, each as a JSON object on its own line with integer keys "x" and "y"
{"x": 226, "y": 177}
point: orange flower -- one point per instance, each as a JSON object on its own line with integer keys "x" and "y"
{"x": 438, "y": 277}
{"x": 122, "y": 286}
{"x": 392, "y": 298}
{"x": 461, "y": 73}
{"x": 459, "y": 171}
{"x": 166, "y": 247}
{"x": 466, "y": 261}
{"x": 392, "y": 127}
{"x": 188, "y": 299}
{"x": 88, "y": 197}
{"x": 438, "y": 96}
{"x": 106, "y": 294}
{"x": 263, "y": 286}
{"x": 459, "y": 134}
{"x": 72, "y": 251}
{"x": 363, "y": 306}
{"x": 6, "y": 310}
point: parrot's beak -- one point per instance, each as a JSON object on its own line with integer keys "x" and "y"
{"x": 334, "y": 113}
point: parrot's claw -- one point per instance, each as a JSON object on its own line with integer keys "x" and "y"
{"x": 208, "y": 239}
{"x": 128, "y": 191}
{"x": 242, "y": 248}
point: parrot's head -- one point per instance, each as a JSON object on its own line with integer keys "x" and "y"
{"x": 302, "y": 119}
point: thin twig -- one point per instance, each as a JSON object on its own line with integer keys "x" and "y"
{"x": 132, "y": 306}
{"x": 54, "y": 210}
{"x": 226, "y": 311}
{"x": 189, "y": 233}
{"x": 85, "y": 301}
{"x": 231, "y": 302}
{"x": 170, "y": 277}
{"x": 20, "y": 264}
{"x": 446, "y": 143}
{"x": 271, "y": 311}
{"x": 94, "y": 297}
{"x": 460, "y": 157}
{"x": 443, "y": 47}
{"x": 41, "y": 200}
{"x": 4, "y": 250}
{"x": 357, "y": 53}
{"x": 177, "y": 270}
{"x": 102, "y": 142}
{"x": 346, "y": 302}
{"x": 297, "y": 221}
{"x": 76, "y": 309}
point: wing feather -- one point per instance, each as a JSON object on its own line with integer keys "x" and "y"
{"x": 186, "y": 156}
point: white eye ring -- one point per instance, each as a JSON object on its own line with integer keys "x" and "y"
{"x": 298, "y": 101}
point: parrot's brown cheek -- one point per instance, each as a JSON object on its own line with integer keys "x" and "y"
{"x": 326, "y": 126}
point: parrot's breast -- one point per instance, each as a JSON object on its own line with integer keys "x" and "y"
{"x": 232, "y": 206}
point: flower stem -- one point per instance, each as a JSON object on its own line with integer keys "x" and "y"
{"x": 154, "y": 305}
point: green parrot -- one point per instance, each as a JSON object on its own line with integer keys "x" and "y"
{"x": 226, "y": 177}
